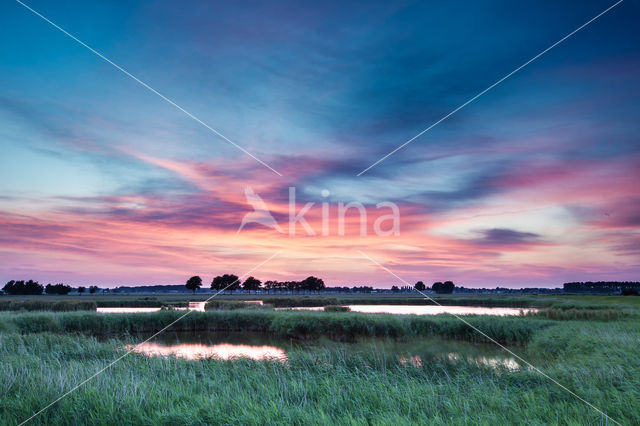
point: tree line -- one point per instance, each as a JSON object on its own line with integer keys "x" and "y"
{"x": 232, "y": 282}
{"x": 32, "y": 287}
{"x": 601, "y": 286}
{"x": 438, "y": 287}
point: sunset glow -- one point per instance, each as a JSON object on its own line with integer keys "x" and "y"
{"x": 104, "y": 183}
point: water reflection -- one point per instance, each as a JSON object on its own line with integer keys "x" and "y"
{"x": 495, "y": 362}
{"x": 126, "y": 310}
{"x": 509, "y": 363}
{"x": 193, "y": 306}
{"x": 435, "y": 310}
{"x": 224, "y": 351}
{"x": 425, "y": 310}
{"x": 197, "y": 306}
{"x": 417, "y": 353}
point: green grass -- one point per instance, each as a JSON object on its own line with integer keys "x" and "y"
{"x": 47, "y": 305}
{"x": 560, "y": 301}
{"x": 596, "y": 360}
{"x": 232, "y": 305}
{"x": 336, "y": 308}
{"x": 295, "y": 324}
{"x": 587, "y": 343}
{"x": 147, "y": 302}
{"x": 579, "y": 314}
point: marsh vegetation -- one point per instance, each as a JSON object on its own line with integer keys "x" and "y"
{"x": 341, "y": 367}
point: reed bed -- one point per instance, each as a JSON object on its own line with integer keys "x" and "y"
{"x": 598, "y": 361}
{"x": 222, "y": 304}
{"x": 295, "y": 324}
{"x": 337, "y": 308}
{"x": 47, "y": 305}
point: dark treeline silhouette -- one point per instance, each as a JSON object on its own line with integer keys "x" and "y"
{"x": 194, "y": 283}
{"x": 22, "y": 287}
{"x": 231, "y": 282}
{"x": 227, "y": 281}
{"x": 313, "y": 284}
{"x": 32, "y": 287}
{"x": 443, "y": 288}
{"x": 308, "y": 284}
{"x": 57, "y": 289}
{"x": 601, "y": 286}
{"x": 354, "y": 289}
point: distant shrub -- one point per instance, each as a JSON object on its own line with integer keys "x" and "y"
{"x": 337, "y": 308}
{"x": 230, "y": 305}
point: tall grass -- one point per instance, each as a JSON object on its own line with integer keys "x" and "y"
{"x": 336, "y": 308}
{"x": 221, "y": 304}
{"x": 596, "y": 360}
{"x": 140, "y": 303}
{"x": 301, "y": 301}
{"x": 579, "y": 314}
{"x": 297, "y": 324}
{"x": 47, "y": 305}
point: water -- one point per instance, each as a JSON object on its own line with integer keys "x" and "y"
{"x": 370, "y": 309}
{"x": 218, "y": 345}
{"x": 193, "y": 306}
{"x": 426, "y": 310}
{"x": 261, "y": 347}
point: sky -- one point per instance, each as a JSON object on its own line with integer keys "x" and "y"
{"x": 535, "y": 183}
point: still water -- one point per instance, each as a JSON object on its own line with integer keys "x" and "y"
{"x": 193, "y": 306}
{"x": 261, "y": 347}
{"x": 370, "y": 309}
{"x": 426, "y": 310}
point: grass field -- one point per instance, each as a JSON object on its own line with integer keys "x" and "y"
{"x": 499, "y": 300}
{"x": 44, "y": 354}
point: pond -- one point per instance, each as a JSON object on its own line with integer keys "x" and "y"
{"x": 193, "y": 306}
{"x": 370, "y": 309}
{"x": 261, "y": 347}
{"x": 427, "y": 310}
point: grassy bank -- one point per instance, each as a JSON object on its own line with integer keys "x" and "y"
{"x": 500, "y": 300}
{"x": 598, "y": 361}
{"x": 48, "y": 305}
{"x": 297, "y": 324}
{"x": 233, "y": 305}
{"x": 141, "y": 303}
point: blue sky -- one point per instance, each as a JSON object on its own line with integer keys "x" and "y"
{"x": 321, "y": 91}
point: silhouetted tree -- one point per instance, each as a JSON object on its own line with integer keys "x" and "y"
{"x": 443, "y": 288}
{"x": 312, "y": 283}
{"x": 420, "y": 286}
{"x": 227, "y": 280}
{"x": 251, "y": 284}
{"x": 395, "y": 289}
{"x": 59, "y": 288}
{"x": 448, "y": 287}
{"x": 194, "y": 283}
{"x": 93, "y": 289}
{"x": 270, "y": 285}
{"x": 81, "y": 289}
{"x": 22, "y": 287}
